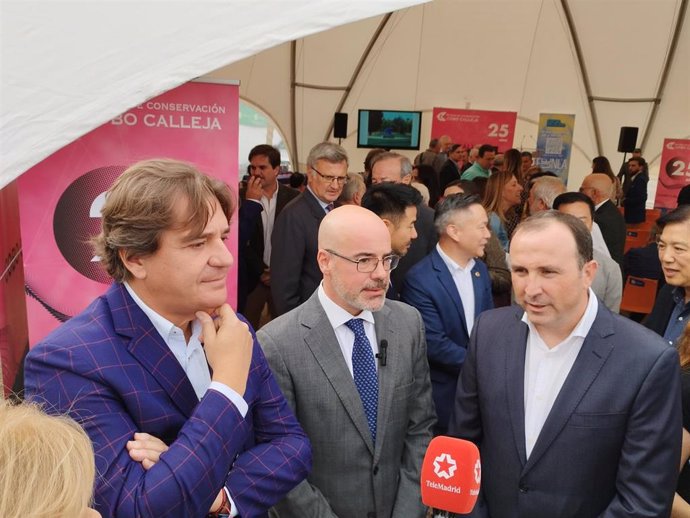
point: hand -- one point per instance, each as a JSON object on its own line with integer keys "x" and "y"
{"x": 265, "y": 277}
{"x": 254, "y": 188}
{"x": 228, "y": 346}
{"x": 146, "y": 448}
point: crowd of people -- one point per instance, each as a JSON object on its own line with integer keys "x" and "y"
{"x": 465, "y": 293}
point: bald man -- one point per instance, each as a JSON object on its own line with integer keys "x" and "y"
{"x": 353, "y": 367}
{"x": 599, "y": 187}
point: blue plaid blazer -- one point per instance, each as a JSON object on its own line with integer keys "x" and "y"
{"x": 109, "y": 369}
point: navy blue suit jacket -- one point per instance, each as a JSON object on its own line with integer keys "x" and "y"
{"x": 430, "y": 288}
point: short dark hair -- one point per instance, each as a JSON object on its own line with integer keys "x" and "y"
{"x": 640, "y": 161}
{"x": 486, "y": 148}
{"x": 678, "y": 215}
{"x": 390, "y": 200}
{"x": 582, "y": 236}
{"x": 297, "y": 180}
{"x": 526, "y": 154}
{"x": 269, "y": 152}
{"x": 683, "y": 196}
{"x": 574, "y": 197}
{"x": 451, "y": 204}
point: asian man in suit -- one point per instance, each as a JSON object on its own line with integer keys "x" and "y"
{"x": 450, "y": 287}
{"x": 576, "y": 410}
{"x": 353, "y": 366}
{"x": 184, "y": 414}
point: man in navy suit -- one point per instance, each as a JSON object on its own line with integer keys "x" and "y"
{"x": 576, "y": 410}
{"x": 450, "y": 288}
{"x": 184, "y": 414}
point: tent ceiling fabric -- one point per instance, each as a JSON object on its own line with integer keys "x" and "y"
{"x": 70, "y": 66}
{"x": 493, "y": 55}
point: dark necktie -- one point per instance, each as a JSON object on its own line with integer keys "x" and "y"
{"x": 329, "y": 207}
{"x": 364, "y": 372}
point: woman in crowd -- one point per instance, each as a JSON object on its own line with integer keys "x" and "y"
{"x": 47, "y": 465}
{"x": 601, "y": 164}
{"x": 512, "y": 163}
{"x": 501, "y": 195}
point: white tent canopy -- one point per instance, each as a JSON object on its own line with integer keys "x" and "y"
{"x": 67, "y": 67}
{"x": 612, "y": 63}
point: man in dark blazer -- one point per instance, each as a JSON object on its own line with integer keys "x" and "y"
{"x": 671, "y": 311}
{"x": 598, "y": 187}
{"x": 179, "y": 430}
{"x": 634, "y": 203}
{"x": 264, "y": 166}
{"x": 368, "y": 440}
{"x": 396, "y": 168}
{"x": 294, "y": 242}
{"x": 450, "y": 288}
{"x": 576, "y": 410}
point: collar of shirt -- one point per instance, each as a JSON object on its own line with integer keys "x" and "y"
{"x": 323, "y": 205}
{"x": 581, "y": 329}
{"x": 598, "y": 205}
{"x": 337, "y": 317}
{"x": 452, "y": 265}
{"x": 274, "y": 196}
{"x": 164, "y": 327}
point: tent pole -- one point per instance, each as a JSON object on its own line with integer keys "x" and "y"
{"x": 664, "y": 73}
{"x": 358, "y": 69}
{"x": 583, "y": 72}
{"x": 293, "y": 108}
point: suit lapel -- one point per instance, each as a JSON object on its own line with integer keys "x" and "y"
{"x": 594, "y": 353}
{"x": 149, "y": 349}
{"x": 448, "y": 284}
{"x": 323, "y": 344}
{"x": 515, "y": 347}
{"x": 477, "y": 288}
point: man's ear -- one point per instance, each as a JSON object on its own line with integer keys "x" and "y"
{"x": 133, "y": 263}
{"x": 323, "y": 260}
{"x": 407, "y": 180}
{"x": 389, "y": 225}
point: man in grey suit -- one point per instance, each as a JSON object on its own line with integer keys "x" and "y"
{"x": 576, "y": 410}
{"x": 353, "y": 366}
{"x": 294, "y": 272}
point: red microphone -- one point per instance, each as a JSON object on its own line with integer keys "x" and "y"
{"x": 451, "y": 475}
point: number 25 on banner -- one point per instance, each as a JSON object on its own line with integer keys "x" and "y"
{"x": 501, "y": 131}
{"x": 678, "y": 167}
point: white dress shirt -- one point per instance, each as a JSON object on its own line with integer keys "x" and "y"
{"x": 462, "y": 277}
{"x": 337, "y": 316}
{"x": 268, "y": 218}
{"x": 547, "y": 368}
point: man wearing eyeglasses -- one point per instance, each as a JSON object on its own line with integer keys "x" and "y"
{"x": 352, "y": 364}
{"x": 294, "y": 271}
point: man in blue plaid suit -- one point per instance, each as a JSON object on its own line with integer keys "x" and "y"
{"x": 183, "y": 411}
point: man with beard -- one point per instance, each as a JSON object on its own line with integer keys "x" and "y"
{"x": 353, "y": 366}
{"x": 450, "y": 288}
{"x": 396, "y": 204}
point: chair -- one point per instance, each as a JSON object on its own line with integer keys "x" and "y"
{"x": 636, "y": 238}
{"x": 639, "y": 295}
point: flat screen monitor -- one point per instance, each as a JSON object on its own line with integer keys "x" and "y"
{"x": 389, "y": 129}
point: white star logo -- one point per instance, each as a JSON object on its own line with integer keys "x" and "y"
{"x": 445, "y": 466}
{"x": 477, "y": 471}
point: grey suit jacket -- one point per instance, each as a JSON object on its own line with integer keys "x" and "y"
{"x": 608, "y": 281}
{"x": 611, "y": 443}
{"x": 295, "y": 274}
{"x": 351, "y": 477}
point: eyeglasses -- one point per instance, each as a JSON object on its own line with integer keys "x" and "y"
{"x": 340, "y": 180}
{"x": 369, "y": 264}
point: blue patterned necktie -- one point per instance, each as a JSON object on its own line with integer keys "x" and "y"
{"x": 364, "y": 372}
{"x": 329, "y": 207}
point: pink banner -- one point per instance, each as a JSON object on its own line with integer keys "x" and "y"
{"x": 60, "y": 198}
{"x": 14, "y": 338}
{"x": 674, "y": 173}
{"x": 475, "y": 127}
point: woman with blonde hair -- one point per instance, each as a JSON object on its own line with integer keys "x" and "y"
{"x": 502, "y": 194}
{"x": 47, "y": 465}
